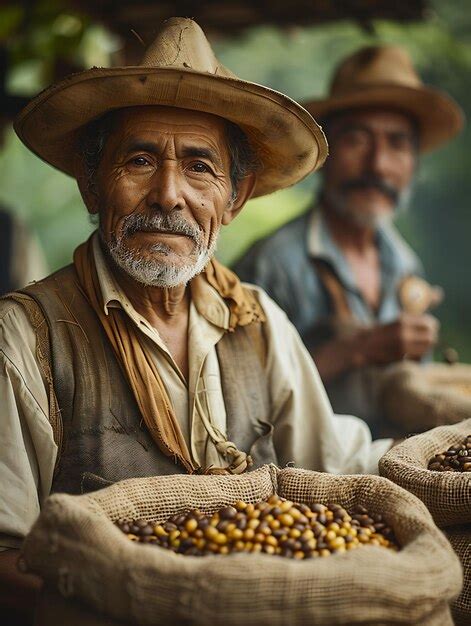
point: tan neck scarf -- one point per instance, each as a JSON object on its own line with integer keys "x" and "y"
{"x": 135, "y": 359}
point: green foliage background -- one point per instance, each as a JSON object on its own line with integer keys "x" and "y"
{"x": 298, "y": 62}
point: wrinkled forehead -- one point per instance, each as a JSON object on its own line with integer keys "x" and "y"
{"x": 168, "y": 122}
{"x": 380, "y": 119}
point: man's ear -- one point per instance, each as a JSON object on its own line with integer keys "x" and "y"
{"x": 88, "y": 190}
{"x": 244, "y": 193}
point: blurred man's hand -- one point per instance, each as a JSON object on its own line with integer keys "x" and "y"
{"x": 410, "y": 336}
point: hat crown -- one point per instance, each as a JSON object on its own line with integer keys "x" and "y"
{"x": 181, "y": 43}
{"x": 374, "y": 66}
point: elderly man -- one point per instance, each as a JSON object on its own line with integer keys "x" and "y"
{"x": 342, "y": 273}
{"x": 146, "y": 356}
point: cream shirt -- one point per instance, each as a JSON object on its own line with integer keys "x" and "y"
{"x": 306, "y": 432}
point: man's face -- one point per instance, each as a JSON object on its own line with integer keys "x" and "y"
{"x": 163, "y": 189}
{"x": 371, "y": 164}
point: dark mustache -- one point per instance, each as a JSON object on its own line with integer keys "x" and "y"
{"x": 365, "y": 182}
{"x": 163, "y": 222}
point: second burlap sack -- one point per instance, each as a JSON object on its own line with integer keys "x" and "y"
{"x": 416, "y": 397}
{"x": 460, "y": 539}
{"x": 75, "y": 546}
{"x": 447, "y": 495}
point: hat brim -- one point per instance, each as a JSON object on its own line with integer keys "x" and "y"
{"x": 439, "y": 117}
{"x": 287, "y": 140}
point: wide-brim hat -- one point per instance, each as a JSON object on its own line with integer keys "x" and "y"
{"x": 383, "y": 76}
{"x": 179, "y": 69}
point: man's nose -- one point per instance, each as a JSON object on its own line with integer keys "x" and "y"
{"x": 166, "y": 189}
{"x": 379, "y": 158}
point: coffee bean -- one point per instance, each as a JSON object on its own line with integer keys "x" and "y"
{"x": 455, "y": 459}
{"x": 277, "y": 527}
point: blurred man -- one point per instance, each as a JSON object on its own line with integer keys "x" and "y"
{"x": 343, "y": 274}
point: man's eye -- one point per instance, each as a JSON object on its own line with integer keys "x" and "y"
{"x": 140, "y": 161}
{"x": 199, "y": 167}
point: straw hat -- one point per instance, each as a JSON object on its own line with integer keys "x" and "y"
{"x": 178, "y": 69}
{"x": 384, "y": 76}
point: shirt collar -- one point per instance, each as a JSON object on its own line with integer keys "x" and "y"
{"x": 320, "y": 245}
{"x": 397, "y": 258}
{"x": 208, "y": 303}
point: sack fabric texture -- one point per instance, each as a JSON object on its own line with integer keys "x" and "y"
{"x": 460, "y": 539}
{"x": 447, "y": 495}
{"x": 75, "y": 546}
{"x": 418, "y": 397}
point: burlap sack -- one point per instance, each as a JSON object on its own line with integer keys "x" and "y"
{"x": 460, "y": 539}
{"x": 75, "y": 546}
{"x": 419, "y": 397}
{"x": 447, "y": 495}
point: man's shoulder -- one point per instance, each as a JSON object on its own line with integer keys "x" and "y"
{"x": 406, "y": 259}
{"x": 281, "y": 244}
{"x": 14, "y": 305}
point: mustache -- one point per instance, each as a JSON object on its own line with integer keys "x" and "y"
{"x": 164, "y": 222}
{"x": 368, "y": 182}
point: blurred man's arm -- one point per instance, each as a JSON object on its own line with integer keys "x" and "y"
{"x": 411, "y": 337}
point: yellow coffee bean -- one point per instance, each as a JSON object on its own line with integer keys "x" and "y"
{"x": 286, "y": 506}
{"x": 211, "y": 532}
{"x": 224, "y": 550}
{"x": 298, "y": 555}
{"x": 275, "y": 524}
{"x": 259, "y": 538}
{"x": 220, "y": 539}
{"x": 253, "y": 523}
{"x": 191, "y": 525}
{"x": 249, "y": 534}
{"x": 133, "y": 537}
{"x": 174, "y": 534}
{"x": 159, "y": 531}
{"x": 294, "y": 533}
{"x": 338, "y": 542}
{"x": 236, "y": 534}
{"x": 286, "y": 519}
{"x": 257, "y": 547}
{"x": 271, "y": 541}
{"x": 307, "y": 534}
{"x": 295, "y": 513}
{"x": 311, "y": 544}
{"x": 269, "y": 549}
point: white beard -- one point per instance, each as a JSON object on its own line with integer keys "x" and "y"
{"x": 157, "y": 273}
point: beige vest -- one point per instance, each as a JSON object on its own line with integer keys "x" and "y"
{"x": 96, "y": 422}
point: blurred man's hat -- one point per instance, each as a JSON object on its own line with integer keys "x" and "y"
{"x": 384, "y": 76}
{"x": 179, "y": 69}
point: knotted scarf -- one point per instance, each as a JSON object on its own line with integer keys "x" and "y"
{"x": 136, "y": 360}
